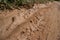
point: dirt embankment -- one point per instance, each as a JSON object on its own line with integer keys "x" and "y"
{"x": 42, "y": 22}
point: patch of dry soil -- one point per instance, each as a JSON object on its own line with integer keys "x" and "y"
{"x": 42, "y": 22}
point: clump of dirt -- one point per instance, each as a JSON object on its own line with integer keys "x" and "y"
{"x": 38, "y": 23}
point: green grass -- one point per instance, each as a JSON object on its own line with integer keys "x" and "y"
{"x": 9, "y": 4}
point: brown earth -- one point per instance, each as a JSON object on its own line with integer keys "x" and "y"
{"x": 42, "y": 22}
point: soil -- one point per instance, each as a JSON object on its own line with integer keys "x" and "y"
{"x": 42, "y": 22}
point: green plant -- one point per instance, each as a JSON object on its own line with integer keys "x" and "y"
{"x": 16, "y": 3}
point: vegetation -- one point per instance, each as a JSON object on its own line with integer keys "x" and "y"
{"x": 10, "y": 4}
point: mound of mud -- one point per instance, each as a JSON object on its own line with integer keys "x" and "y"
{"x": 42, "y": 22}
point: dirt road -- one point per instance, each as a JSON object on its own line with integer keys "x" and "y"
{"x": 42, "y": 22}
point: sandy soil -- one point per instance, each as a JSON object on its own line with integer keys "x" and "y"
{"x": 42, "y": 22}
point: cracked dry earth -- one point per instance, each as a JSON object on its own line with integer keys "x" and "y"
{"x": 42, "y": 22}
